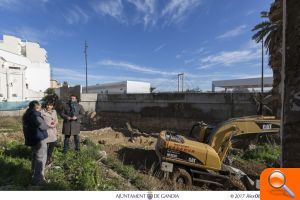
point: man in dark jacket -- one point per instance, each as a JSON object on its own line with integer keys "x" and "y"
{"x": 35, "y": 133}
{"x": 72, "y": 113}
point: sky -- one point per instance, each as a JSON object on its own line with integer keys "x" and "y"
{"x": 142, "y": 40}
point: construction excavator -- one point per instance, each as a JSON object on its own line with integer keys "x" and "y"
{"x": 199, "y": 155}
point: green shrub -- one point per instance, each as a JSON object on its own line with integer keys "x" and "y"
{"x": 127, "y": 172}
{"x": 265, "y": 154}
{"x": 15, "y": 172}
{"x": 71, "y": 171}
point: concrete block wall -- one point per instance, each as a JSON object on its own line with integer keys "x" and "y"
{"x": 152, "y": 112}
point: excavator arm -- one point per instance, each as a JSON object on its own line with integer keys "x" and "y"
{"x": 220, "y": 138}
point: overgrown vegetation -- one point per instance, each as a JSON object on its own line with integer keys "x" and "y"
{"x": 14, "y": 166}
{"x": 10, "y": 124}
{"x": 128, "y": 172}
{"x": 267, "y": 154}
{"x": 73, "y": 171}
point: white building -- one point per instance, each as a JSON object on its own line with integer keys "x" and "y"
{"x": 242, "y": 83}
{"x": 124, "y": 87}
{"x": 24, "y": 70}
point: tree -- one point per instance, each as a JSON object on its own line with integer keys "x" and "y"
{"x": 270, "y": 30}
{"x": 65, "y": 84}
{"x": 291, "y": 84}
{"x": 50, "y": 96}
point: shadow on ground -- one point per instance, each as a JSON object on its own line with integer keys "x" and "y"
{"x": 140, "y": 159}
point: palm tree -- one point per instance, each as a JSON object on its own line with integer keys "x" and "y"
{"x": 291, "y": 73}
{"x": 270, "y": 30}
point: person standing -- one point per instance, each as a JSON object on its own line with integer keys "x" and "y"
{"x": 50, "y": 116}
{"x": 35, "y": 134}
{"x": 72, "y": 113}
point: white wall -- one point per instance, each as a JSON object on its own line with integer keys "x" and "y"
{"x": 3, "y": 87}
{"x": 12, "y": 82}
{"x": 14, "y": 58}
{"x": 33, "y": 95}
{"x": 38, "y": 76}
{"x": 15, "y": 84}
{"x": 35, "y": 53}
{"x": 11, "y": 44}
{"x": 136, "y": 87}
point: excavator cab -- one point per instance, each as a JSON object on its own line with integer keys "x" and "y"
{"x": 201, "y": 132}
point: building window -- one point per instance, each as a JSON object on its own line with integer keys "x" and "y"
{"x": 1, "y": 95}
{"x": 15, "y": 68}
{"x": 14, "y": 95}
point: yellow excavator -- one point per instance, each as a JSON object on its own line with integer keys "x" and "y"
{"x": 199, "y": 156}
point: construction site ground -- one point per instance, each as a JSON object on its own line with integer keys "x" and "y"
{"x": 138, "y": 152}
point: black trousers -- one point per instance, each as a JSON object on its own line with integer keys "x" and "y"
{"x": 67, "y": 143}
{"x": 51, "y": 146}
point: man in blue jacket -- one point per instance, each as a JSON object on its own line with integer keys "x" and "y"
{"x": 35, "y": 133}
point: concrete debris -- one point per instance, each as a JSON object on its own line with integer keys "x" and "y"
{"x": 135, "y": 132}
{"x": 103, "y": 155}
{"x": 239, "y": 174}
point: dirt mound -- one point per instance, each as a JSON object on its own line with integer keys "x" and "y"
{"x": 109, "y": 136}
{"x": 253, "y": 170}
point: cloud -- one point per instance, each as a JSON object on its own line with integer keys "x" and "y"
{"x": 37, "y": 35}
{"x": 147, "y": 10}
{"x": 8, "y": 4}
{"x": 250, "y": 12}
{"x": 134, "y": 67}
{"x": 13, "y": 5}
{"x": 66, "y": 74}
{"x": 233, "y": 33}
{"x": 177, "y": 10}
{"x": 159, "y": 48}
{"x": 178, "y": 56}
{"x": 198, "y": 51}
{"x": 113, "y": 8}
{"x": 191, "y": 56}
{"x": 76, "y": 15}
{"x": 229, "y": 58}
{"x": 188, "y": 61}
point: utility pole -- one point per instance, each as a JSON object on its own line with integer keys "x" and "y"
{"x": 178, "y": 82}
{"x": 262, "y": 77}
{"x": 181, "y": 78}
{"x": 182, "y": 81}
{"x": 86, "y": 76}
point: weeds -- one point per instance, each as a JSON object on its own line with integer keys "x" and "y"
{"x": 10, "y": 124}
{"x": 71, "y": 171}
{"x": 265, "y": 154}
{"x": 14, "y": 165}
{"x": 128, "y": 172}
